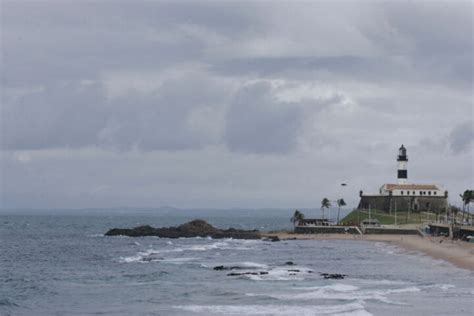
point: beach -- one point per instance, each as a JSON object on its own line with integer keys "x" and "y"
{"x": 459, "y": 253}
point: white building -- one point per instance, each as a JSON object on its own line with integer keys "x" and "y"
{"x": 411, "y": 190}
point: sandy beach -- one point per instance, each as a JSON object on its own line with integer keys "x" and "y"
{"x": 459, "y": 253}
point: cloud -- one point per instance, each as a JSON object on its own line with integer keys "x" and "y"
{"x": 461, "y": 137}
{"x": 230, "y": 101}
{"x": 60, "y": 115}
{"x": 180, "y": 113}
{"x": 258, "y": 123}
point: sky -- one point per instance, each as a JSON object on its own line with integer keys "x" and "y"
{"x": 222, "y": 104}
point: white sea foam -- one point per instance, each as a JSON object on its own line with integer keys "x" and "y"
{"x": 339, "y": 287}
{"x": 410, "y": 289}
{"x": 355, "y": 308}
{"x": 343, "y": 292}
{"x": 140, "y": 256}
{"x": 178, "y": 260}
{"x": 383, "y": 282}
{"x": 96, "y": 235}
{"x": 249, "y": 264}
{"x": 136, "y": 258}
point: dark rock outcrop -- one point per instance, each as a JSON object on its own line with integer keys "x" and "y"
{"x": 272, "y": 238}
{"x": 221, "y": 268}
{"x": 336, "y": 276}
{"x": 247, "y": 273}
{"x": 195, "y": 228}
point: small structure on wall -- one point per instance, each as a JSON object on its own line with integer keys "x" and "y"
{"x": 404, "y": 196}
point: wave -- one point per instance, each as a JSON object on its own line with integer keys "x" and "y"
{"x": 248, "y": 264}
{"x": 339, "y": 287}
{"x": 441, "y": 286}
{"x": 151, "y": 255}
{"x": 384, "y": 282}
{"x": 8, "y": 303}
{"x": 96, "y": 235}
{"x": 355, "y": 309}
{"x": 343, "y": 292}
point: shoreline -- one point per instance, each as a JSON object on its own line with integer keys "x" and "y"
{"x": 458, "y": 253}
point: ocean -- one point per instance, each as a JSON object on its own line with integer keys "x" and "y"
{"x": 60, "y": 263}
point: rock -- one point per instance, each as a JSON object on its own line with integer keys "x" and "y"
{"x": 195, "y": 228}
{"x": 289, "y": 263}
{"x": 271, "y": 238}
{"x": 294, "y": 270}
{"x": 245, "y": 273}
{"x": 221, "y": 268}
{"x": 336, "y": 276}
{"x": 147, "y": 259}
{"x": 263, "y": 272}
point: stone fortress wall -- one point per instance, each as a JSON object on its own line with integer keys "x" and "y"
{"x": 404, "y": 203}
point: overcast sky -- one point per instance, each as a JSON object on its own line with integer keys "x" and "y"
{"x": 231, "y": 104}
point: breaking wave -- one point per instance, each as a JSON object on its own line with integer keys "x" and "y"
{"x": 355, "y": 309}
{"x": 151, "y": 254}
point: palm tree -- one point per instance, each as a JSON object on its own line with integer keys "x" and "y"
{"x": 454, "y": 210}
{"x": 297, "y": 217}
{"x": 325, "y": 203}
{"x": 466, "y": 197}
{"x": 340, "y": 203}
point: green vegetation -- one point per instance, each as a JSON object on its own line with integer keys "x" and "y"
{"x": 357, "y": 216}
{"x": 325, "y": 203}
{"x": 340, "y": 203}
{"x": 467, "y": 197}
{"x": 297, "y": 217}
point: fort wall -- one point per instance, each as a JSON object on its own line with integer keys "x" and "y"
{"x": 389, "y": 203}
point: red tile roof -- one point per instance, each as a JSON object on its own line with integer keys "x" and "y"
{"x": 391, "y": 187}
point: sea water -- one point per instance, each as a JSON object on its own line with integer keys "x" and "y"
{"x": 60, "y": 263}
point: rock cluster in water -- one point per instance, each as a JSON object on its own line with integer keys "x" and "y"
{"x": 233, "y": 270}
{"x": 195, "y": 228}
{"x": 336, "y": 276}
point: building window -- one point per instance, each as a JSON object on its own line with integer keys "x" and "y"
{"x": 434, "y": 192}
{"x": 402, "y": 192}
{"x": 421, "y": 192}
{"x": 429, "y": 192}
{"x": 408, "y": 192}
{"x": 414, "y": 192}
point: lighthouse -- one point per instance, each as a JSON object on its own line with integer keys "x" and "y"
{"x": 404, "y": 196}
{"x": 402, "y": 174}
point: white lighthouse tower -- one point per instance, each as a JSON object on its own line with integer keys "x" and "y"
{"x": 402, "y": 174}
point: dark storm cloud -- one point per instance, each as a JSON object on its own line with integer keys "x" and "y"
{"x": 62, "y": 115}
{"x": 81, "y": 115}
{"x": 53, "y": 41}
{"x": 258, "y": 123}
{"x": 340, "y": 66}
{"x": 462, "y": 137}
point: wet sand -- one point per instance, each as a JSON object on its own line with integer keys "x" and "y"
{"x": 459, "y": 253}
